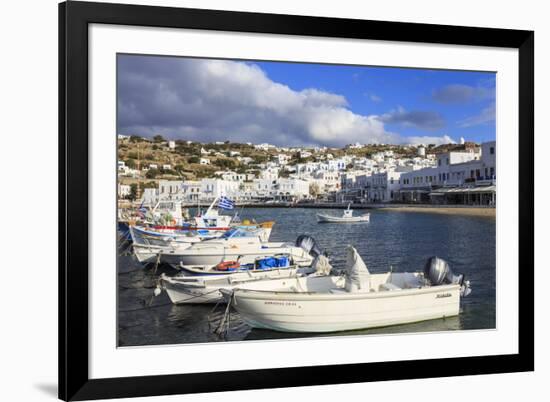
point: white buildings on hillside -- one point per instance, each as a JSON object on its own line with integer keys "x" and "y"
{"x": 124, "y": 190}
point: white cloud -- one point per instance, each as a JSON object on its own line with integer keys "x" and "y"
{"x": 486, "y": 115}
{"x": 209, "y": 100}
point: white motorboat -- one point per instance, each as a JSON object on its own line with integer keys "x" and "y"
{"x": 150, "y": 247}
{"x": 347, "y": 217}
{"x": 367, "y": 300}
{"x": 206, "y": 288}
{"x": 244, "y": 246}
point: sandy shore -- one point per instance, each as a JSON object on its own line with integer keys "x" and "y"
{"x": 470, "y": 211}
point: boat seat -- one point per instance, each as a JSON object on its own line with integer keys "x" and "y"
{"x": 389, "y": 286}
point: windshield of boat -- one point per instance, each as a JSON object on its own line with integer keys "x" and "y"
{"x": 238, "y": 232}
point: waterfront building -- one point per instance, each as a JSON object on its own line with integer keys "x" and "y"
{"x": 463, "y": 177}
{"x": 328, "y": 181}
{"x": 212, "y": 188}
{"x": 150, "y": 196}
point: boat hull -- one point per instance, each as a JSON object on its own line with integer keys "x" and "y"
{"x": 322, "y": 218}
{"x": 210, "y": 258}
{"x": 342, "y": 311}
{"x": 206, "y": 289}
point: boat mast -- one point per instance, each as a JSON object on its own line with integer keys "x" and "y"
{"x": 211, "y": 206}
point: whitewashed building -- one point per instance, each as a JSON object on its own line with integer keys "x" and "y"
{"x": 124, "y": 190}
{"x": 464, "y": 177}
{"x": 212, "y": 188}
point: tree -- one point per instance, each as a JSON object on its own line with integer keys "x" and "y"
{"x": 225, "y": 163}
{"x": 149, "y": 184}
{"x": 152, "y": 173}
{"x": 135, "y": 138}
{"x": 158, "y": 138}
{"x": 133, "y": 191}
{"x": 194, "y": 159}
{"x": 314, "y": 190}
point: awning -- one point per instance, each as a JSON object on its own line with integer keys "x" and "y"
{"x": 413, "y": 191}
{"x": 465, "y": 190}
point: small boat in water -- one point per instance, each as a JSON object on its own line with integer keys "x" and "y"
{"x": 315, "y": 304}
{"x": 206, "y": 288}
{"x": 347, "y": 217}
{"x": 235, "y": 245}
{"x": 150, "y": 246}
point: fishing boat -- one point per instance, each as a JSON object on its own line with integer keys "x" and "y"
{"x": 206, "y": 288}
{"x": 312, "y": 304}
{"x": 236, "y": 245}
{"x": 347, "y": 217}
{"x": 228, "y": 267}
{"x": 150, "y": 246}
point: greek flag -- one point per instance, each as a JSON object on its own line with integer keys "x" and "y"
{"x": 226, "y": 203}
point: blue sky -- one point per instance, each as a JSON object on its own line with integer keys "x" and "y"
{"x": 301, "y": 104}
{"x": 377, "y": 90}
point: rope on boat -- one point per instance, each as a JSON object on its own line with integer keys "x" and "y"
{"x": 223, "y": 326}
{"x": 157, "y": 263}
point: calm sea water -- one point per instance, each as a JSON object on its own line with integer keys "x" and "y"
{"x": 404, "y": 240}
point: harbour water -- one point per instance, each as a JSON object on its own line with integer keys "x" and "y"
{"x": 402, "y": 240}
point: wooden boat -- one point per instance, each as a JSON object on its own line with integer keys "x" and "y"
{"x": 312, "y": 304}
{"x": 347, "y": 217}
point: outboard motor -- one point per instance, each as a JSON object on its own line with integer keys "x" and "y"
{"x": 437, "y": 272}
{"x": 309, "y": 244}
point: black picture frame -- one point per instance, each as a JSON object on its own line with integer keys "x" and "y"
{"x": 74, "y": 18}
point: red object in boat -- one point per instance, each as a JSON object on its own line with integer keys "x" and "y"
{"x": 227, "y": 265}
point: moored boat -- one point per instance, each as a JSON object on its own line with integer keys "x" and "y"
{"x": 347, "y": 217}
{"x": 236, "y": 245}
{"x": 150, "y": 246}
{"x": 206, "y": 288}
{"x": 366, "y": 301}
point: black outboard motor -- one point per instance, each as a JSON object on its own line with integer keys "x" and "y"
{"x": 438, "y": 272}
{"x": 309, "y": 244}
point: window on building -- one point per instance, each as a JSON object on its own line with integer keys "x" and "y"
{"x": 492, "y": 150}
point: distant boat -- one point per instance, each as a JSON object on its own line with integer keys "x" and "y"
{"x": 347, "y": 217}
